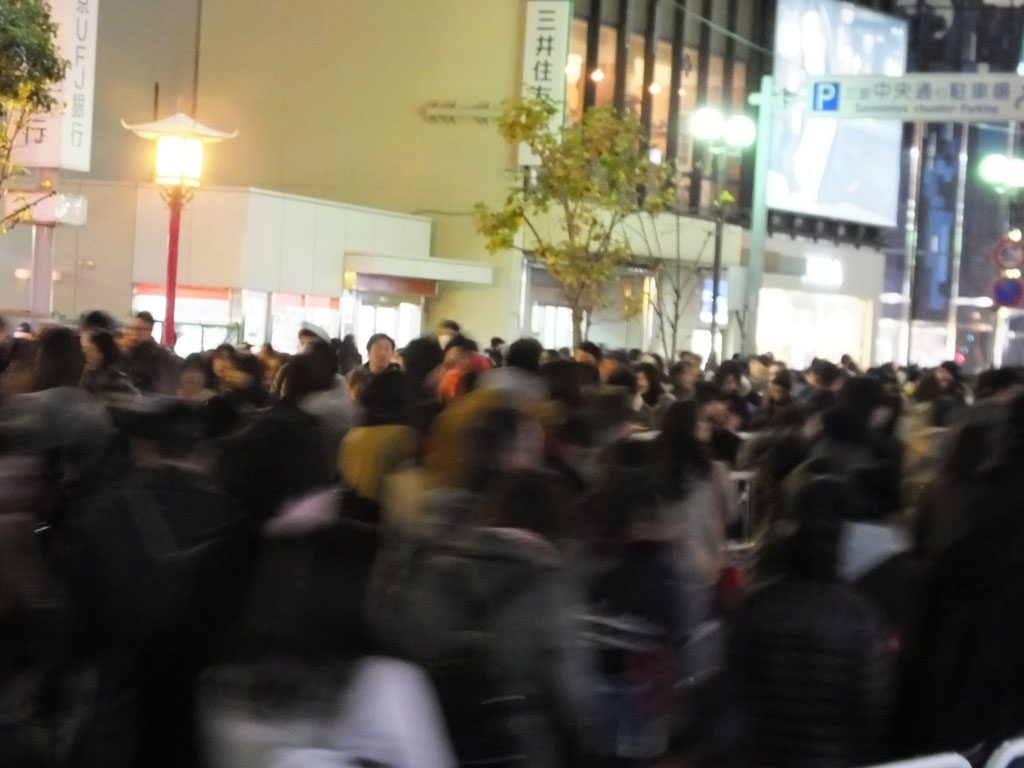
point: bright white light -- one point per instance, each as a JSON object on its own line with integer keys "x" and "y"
{"x": 654, "y": 89}
{"x": 891, "y": 298}
{"x": 739, "y": 132}
{"x": 1020, "y": 69}
{"x": 823, "y": 271}
{"x": 654, "y": 155}
{"x": 707, "y": 124}
{"x": 1014, "y": 234}
{"x": 22, "y": 274}
{"x": 1013, "y": 274}
{"x": 574, "y": 68}
{"x": 597, "y": 75}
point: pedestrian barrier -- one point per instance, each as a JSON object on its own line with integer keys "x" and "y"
{"x": 946, "y": 760}
{"x": 1007, "y": 754}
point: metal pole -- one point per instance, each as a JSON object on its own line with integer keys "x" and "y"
{"x": 40, "y": 302}
{"x": 765, "y": 101}
{"x": 716, "y": 275}
{"x": 176, "y": 201}
{"x": 910, "y": 235}
{"x": 956, "y": 257}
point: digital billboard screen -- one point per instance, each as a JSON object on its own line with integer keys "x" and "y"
{"x": 838, "y": 169}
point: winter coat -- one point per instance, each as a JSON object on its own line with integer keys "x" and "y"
{"x": 420, "y": 596}
{"x": 811, "y": 662}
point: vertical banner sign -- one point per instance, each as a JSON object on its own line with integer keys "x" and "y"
{"x": 63, "y": 138}
{"x": 545, "y": 56}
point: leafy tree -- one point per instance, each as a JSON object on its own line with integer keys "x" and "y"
{"x": 592, "y": 176}
{"x": 30, "y": 67}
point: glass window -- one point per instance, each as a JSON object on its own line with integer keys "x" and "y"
{"x": 574, "y": 76}
{"x": 604, "y": 76}
{"x": 287, "y": 316}
{"x": 254, "y": 316}
{"x": 551, "y": 325}
{"x": 635, "y": 74}
{"x": 659, "y": 90}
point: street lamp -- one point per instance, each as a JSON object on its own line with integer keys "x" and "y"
{"x": 178, "y": 169}
{"x": 725, "y": 137}
{"x": 1005, "y": 174}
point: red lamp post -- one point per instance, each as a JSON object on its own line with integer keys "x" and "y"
{"x": 179, "y": 166}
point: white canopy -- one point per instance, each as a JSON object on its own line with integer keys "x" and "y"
{"x": 179, "y": 124}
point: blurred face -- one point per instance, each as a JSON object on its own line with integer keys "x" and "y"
{"x": 222, "y": 367}
{"x": 704, "y": 427}
{"x": 456, "y": 358}
{"x": 137, "y": 332}
{"x": 582, "y": 356}
{"x": 730, "y": 386}
{"x": 643, "y": 384}
{"x": 945, "y": 378}
{"x": 192, "y": 381}
{"x": 93, "y": 356}
{"x": 758, "y": 371}
{"x": 690, "y": 376}
{"x": 380, "y": 353}
{"x": 777, "y": 394}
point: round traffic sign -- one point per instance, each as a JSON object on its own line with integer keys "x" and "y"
{"x": 1008, "y": 292}
{"x": 1008, "y": 254}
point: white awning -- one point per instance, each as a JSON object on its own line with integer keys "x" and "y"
{"x": 443, "y": 270}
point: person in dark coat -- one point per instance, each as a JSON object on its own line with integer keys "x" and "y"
{"x": 967, "y": 689}
{"x": 808, "y": 654}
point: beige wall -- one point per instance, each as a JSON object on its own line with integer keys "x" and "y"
{"x": 328, "y": 101}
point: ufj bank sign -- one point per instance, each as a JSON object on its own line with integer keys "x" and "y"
{"x": 942, "y": 98}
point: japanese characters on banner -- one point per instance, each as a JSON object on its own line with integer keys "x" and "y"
{"x": 947, "y": 97}
{"x": 545, "y": 56}
{"x": 63, "y": 138}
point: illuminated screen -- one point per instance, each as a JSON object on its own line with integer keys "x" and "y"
{"x": 838, "y": 169}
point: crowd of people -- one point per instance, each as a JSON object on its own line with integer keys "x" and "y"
{"x": 452, "y": 554}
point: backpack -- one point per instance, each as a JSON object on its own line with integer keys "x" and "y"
{"x": 479, "y": 705}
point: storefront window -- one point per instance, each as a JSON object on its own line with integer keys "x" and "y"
{"x": 604, "y": 76}
{"x": 551, "y": 325}
{"x": 202, "y": 316}
{"x": 575, "y": 77}
{"x": 254, "y": 316}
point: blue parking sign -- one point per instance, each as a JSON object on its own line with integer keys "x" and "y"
{"x": 825, "y": 97}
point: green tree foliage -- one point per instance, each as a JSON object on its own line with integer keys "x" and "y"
{"x": 592, "y": 176}
{"x": 30, "y": 67}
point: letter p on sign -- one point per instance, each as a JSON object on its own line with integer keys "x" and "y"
{"x": 825, "y": 97}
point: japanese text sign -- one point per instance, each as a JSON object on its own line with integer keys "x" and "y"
{"x": 63, "y": 138}
{"x": 944, "y": 97}
{"x": 545, "y": 55}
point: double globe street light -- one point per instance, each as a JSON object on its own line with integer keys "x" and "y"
{"x": 723, "y": 137}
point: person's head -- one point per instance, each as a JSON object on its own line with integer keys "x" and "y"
{"x": 525, "y": 354}
{"x": 930, "y": 387}
{"x": 527, "y": 499}
{"x": 97, "y": 320}
{"x": 194, "y": 376}
{"x": 563, "y": 383}
{"x": 501, "y": 440}
{"x": 1000, "y": 385}
{"x": 780, "y": 389}
{"x": 728, "y": 378}
{"x": 758, "y": 366}
{"x": 679, "y": 449}
{"x": 139, "y": 329}
{"x": 385, "y": 399}
{"x": 446, "y": 331}
{"x": 59, "y": 361}
{"x": 624, "y": 378}
{"x": 100, "y": 349}
{"x": 325, "y": 363}
{"x": 624, "y": 505}
{"x": 357, "y": 383}
{"x": 16, "y": 368}
{"x": 821, "y": 507}
{"x": 649, "y": 384}
{"x": 422, "y": 359}
{"x": 298, "y": 378}
{"x": 589, "y": 353}
{"x": 222, "y": 362}
{"x": 380, "y": 351}
{"x": 458, "y": 353}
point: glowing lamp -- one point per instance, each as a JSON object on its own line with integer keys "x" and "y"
{"x": 179, "y": 161}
